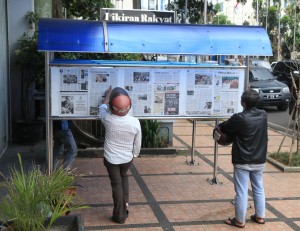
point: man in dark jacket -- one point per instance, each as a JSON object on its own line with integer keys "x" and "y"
{"x": 249, "y": 150}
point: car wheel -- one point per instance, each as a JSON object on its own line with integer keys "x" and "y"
{"x": 283, "y": 107}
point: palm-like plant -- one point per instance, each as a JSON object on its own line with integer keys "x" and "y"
{"x": 34, "y": 197}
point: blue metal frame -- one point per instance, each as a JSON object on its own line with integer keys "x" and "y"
{"x": 59, "y": 35}
{"x": 152, "y": 38}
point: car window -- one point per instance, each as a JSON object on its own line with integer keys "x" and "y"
{"x": 261, "y": 63}
{"x": 260, "y": 74}
{"x": 286, "y": 67}
{"x": 280, "y": 66}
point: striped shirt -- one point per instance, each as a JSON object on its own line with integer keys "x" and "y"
{"x": 123, "y": 136}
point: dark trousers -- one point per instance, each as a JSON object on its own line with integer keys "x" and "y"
{"x": 120, "y": 187}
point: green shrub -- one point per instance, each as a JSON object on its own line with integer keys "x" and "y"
{"x": 150, "y": 134}
{"x": 33, "y": 197}
{"x": 283, "y": 157}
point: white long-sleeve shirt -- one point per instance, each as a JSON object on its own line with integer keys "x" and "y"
{"x": 123, "y": 136}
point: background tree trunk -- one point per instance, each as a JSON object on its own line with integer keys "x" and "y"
{"x": 57, "y": 9}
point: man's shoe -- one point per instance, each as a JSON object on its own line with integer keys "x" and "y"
{"x": 117, "y": 221}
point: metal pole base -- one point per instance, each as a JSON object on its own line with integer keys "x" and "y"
{"x": 214, "y": 181}
{"x": 192, "y": 163}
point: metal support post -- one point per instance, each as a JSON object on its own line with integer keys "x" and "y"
{"x": 49, "y": 132}
{"x": 192, "y": 162}
{"x": 214, "y": 179}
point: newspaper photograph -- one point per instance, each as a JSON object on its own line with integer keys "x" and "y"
{"x": 73, "y": 104}
{"x": 73, "y": 79}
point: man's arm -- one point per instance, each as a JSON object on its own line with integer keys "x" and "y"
{"x": 231, "y": 125}
{"x": 137, "y": 142}
{"x": 103, "y": 109}
{"x": 107, "y": 95}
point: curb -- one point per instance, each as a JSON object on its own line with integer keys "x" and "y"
{"x": 282, "y": 167}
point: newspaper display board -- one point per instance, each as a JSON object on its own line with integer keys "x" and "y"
{"x": 77, "y": 91}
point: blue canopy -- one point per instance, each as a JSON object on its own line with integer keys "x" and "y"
{"x": 151, "y": 38}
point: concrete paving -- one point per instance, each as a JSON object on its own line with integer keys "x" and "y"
{"x": 179, "y": 192}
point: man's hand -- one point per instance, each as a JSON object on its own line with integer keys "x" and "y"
{"x": 107, "y": 95}
{"x": 216, "y": 134}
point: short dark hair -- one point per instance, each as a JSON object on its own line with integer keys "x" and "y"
{"x": 250, "y": 98}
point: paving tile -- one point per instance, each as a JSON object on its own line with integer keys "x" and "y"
{"x": 189, "y": 228}
{"x": 183, "y": 131}
{"x": 101, "y": 216}
{"x": 204, "y": 212}
{"x": 97, "y": 190}
{"x": 188, "y": 187}
{"x": 298, "y": 223}
{"x": 250, "y": 226}
{"x": 171, "y": 165}
{"x": 141, "y": 214}
{"x": 282, "y": 185}
{"x": 290, "y": 208}
{"x": 210, "y": 150}
{"x": 271, "y": 226}
{"x": 198, "y": 211}
{"x": 276, "y": 140}
{"x": 90, "y": 166}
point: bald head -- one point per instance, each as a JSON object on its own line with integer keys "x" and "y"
{"x": 119, "y": 102}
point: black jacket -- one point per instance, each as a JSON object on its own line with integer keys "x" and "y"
{"x": 250, "y": 131}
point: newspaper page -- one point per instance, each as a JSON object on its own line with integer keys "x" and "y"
{"x": 166, "y": 92}
{"x": 69, "y": 88}
{"x": 139, "y": 84}
{"x": 199, "y": 92}
{"x": 100, "y": 80}
{"x": 229, "y": 85}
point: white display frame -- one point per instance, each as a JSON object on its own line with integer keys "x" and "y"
{"x": 167, "y": 92}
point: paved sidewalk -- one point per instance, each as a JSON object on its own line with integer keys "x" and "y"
{"x": 166, "y": 193}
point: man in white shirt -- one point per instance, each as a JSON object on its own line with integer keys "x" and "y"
{"x": 123, "y": 139}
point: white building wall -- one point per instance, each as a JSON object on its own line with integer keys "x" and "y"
{"x": 145, "y": 4}
{"x": 122, "y": 4}
{"x": 236, "y": 13}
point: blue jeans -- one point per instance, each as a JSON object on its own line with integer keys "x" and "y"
{"x": 241, "y": 179}
{"x": 64, "y": 143}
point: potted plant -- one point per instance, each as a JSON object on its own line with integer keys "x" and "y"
{"x": 154, "y": 141}
{"x": 32, "y": 66}
{"x": 35, "y": 201}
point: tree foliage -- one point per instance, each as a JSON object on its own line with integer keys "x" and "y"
{"x": 269, "y": 16}
{"x": 221, "y": 19}
{"x": 85, "y": 9}
{"x": 195, "y": 11}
